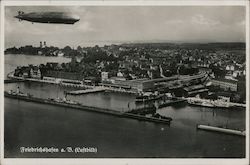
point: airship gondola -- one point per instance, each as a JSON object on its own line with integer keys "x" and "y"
{"x": 48, "y": 17}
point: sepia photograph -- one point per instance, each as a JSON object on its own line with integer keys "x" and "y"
{"x": 125, "y": 81}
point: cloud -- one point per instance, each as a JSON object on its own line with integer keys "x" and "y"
{"x": 202, "y": 20}
{"x": 174, "y": 22}
{"x": 129, "y": 23}
{"x": 85, "y": 27}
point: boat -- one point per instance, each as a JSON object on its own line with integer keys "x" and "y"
{"x": 220, "y": 103}
{"x": 200, "y": 102}
{"x": 19, "y": 93}
{"x": 64, "y": 100}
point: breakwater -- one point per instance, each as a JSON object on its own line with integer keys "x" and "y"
{"x": 88, "y": 108}
{"x": 221, "y": 130}
{"x": 87, "y": 91}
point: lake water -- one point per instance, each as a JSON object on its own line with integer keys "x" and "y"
{"x": 29, "y": 124}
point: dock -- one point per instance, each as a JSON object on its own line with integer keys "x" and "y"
{"x": 221, "y": 130}
{"x": 82, "y": 86}
{"x": 86, "y": 91}
{"x": 89, "y": 108}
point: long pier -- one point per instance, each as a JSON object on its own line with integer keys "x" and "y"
{"x": 221, "y": 130}
{"x": 229, "y": 104}
{"x": 86, "y": 91}
{"x": 89, "y": 108}
{"x": 82, "y": 86}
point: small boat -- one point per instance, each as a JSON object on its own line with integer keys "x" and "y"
{"x": 18, "y": 93}
{"x": 63, "y": 100}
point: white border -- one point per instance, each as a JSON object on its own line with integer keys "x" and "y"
{"x": 148, "y": 161}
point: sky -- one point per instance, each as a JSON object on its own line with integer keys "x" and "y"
{"x": 121, "y": 24}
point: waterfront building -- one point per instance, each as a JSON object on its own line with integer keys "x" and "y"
{"x": 194, "y": 90}
{"x": 39, "y": 52}
{"x": 22, "y": 72}
{"x": 35, "y": 72}
{"x": 104, "y": 76}
{"x": 141, "y": 84}
{"x": 64, "y": 75}
{"x": 225, "y": 84}
{"x": 137, "y": 85}
{"x": 120, "y": 74}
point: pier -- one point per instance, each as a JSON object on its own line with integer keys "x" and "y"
{"x": 215, "y": 103}
{"x": 221, "y": 130}
{"x": 88, "y": 108}
{"x": 82, "y": 86}
{"x": 86, "y": 91}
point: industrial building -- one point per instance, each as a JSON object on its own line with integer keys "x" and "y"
{"x": 225, "y": 84}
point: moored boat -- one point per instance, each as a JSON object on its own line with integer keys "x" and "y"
{"x": 220, "y": 103}
{"x": 204, "y": 103}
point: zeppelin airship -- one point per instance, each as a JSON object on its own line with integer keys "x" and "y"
{"x": 48, "y": 17}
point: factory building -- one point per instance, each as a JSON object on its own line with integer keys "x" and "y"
{"x": 225, "y": 84}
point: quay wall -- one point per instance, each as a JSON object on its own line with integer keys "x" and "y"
{"x": 88, "y": 108}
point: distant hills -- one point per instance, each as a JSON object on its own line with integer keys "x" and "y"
{"x": 218, "y": 45}
{"x": 53, "y": 51}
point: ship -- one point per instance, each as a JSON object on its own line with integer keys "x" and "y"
{"x": 63, "y": 100}
{"x": 200, "y": 102}
{"x": 18, "y": 93}
{"x": 219, "y": 103}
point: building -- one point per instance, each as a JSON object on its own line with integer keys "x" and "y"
{"x": 195, "y": 90}
{"x": 104, "y": 76}
{"x": 225, "y": 84}
{"x": 22, "y": 72}
{"x": 64, "y": 75}
{"x": 141, "y": 85}
{"x": 35, "y": 72}
{"x": 137, "y": 85}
